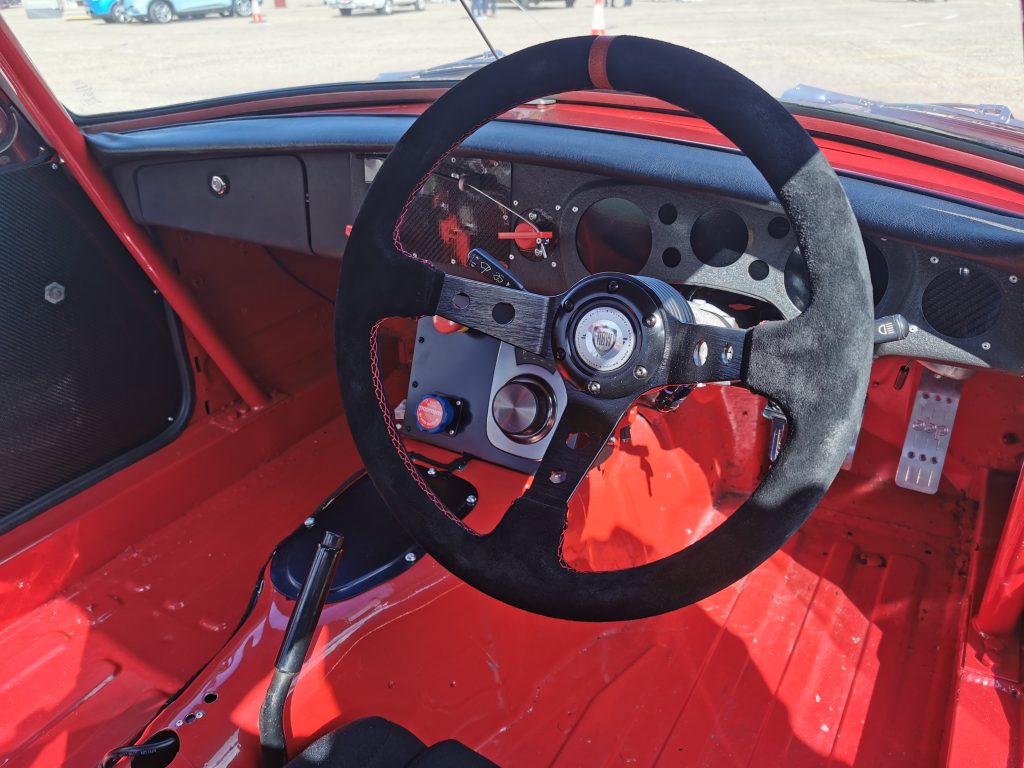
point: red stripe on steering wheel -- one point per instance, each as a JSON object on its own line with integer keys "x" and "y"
{"x": 597, "y": 63}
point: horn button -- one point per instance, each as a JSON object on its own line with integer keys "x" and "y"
{"x": 610, "y": 332}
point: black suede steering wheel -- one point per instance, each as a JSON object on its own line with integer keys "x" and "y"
{"x": 815, "y": 366}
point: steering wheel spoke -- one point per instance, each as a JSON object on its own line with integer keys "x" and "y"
{"x": 516, "y": 317}
{"x": 702, "y": 354}
{"x": 582, "y": 433}
{"x": 539, "y": 515}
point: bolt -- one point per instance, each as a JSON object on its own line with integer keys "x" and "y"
{"x": 515, "y": 202}
{"x": 594, "y": 388}
{"x": 219, "y": 185}
{"x": 54, "y": 293}
{"x": 640, "y": 372}
{"x": 431, "y": 472}
{"x": 559, "y": 354}
{"x": 309, "y": 522}
{"x": 410, "y": 557}
{"x": 179, "y": 723}
{"x": 567, "y": 305}
{"x": 986, "y": 345}
{"x": 200, "y": 714}
{"x": 934, "y": 259}
{"x": 554, "y": 264}
{"x": 1013, "y": 278}
{"x": 558, "y": 207}
{"x": 613, "y": 286}
{"x": 532, "y": 216}
{"x": 471, "y": 499}
{"x": 651, "y": 320}
{"x": 451, "y": 433}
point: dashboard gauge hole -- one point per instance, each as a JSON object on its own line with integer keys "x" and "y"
{"x": 758, "y": 270}
{"x": 719, "y": 237}
{"x": 503, "y": 313}
{"x": 798, "y": 285}
{"x": 614, "y": 235}
{"x": 668, "y": 214}
{"x": 671, "y": 257}
{"x": 778, "y": 227}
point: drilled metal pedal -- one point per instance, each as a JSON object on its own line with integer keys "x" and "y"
{"x": 928, "y": 433}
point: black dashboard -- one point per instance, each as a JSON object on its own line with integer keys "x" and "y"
{"x": 554, "y": 204}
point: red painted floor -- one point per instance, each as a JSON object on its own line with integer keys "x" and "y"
{"x": 843, "y": 649}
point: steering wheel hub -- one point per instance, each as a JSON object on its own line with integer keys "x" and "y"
{"x": 604, "y": 339}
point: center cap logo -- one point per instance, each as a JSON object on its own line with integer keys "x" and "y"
{"x": 604, "y": 339}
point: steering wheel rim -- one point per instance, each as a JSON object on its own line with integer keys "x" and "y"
{"x": 830, "y": 343}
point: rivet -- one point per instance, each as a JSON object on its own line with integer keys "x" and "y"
{"x": 986, "y": 345}
{"x": 640, "y": 372}
{"x": 594, "y": 388}
{"x": 651, "y": 320}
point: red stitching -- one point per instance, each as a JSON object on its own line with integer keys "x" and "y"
{"x": 382, "y": 403}
{"x": 396, "y": 438}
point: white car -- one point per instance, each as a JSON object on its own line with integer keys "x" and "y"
{"x": 386, "y": 7}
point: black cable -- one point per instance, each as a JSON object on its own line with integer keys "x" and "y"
{"x": 284, "y": 268}
{"x": 114, "y": 756}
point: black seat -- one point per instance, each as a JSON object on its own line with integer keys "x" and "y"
{"x": 374, "y": 742}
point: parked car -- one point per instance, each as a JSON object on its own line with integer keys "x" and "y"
{"x": 385, "y": 7}
{"x": 162, "y": 11}
{"x": 111, "y": 11}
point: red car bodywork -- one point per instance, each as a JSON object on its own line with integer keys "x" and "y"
{"x": 886, "y": 633}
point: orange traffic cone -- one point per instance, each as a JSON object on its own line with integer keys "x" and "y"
{"x": 597, "y": 20}
{"x": 257, "y": 12}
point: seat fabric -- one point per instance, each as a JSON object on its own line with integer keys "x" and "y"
{"x": 374, "y": 742}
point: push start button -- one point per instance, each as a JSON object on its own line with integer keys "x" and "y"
{"x": 435, "y": 413}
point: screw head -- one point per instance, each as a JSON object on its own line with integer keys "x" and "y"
{"x": 934, "y": 259}
{"x": 594, "y": 388}
{"x": 651, "y": 320}
{"x": 309, "y": 522}
{"x": 1013, "y": 278}
{"x": 54, "y": 293}
{"x": 640, "y": 372}
{"x": 219, "y": 185}
{"x": 613, "y": 286}
{"x": 575, "y": 209}
{"x": 410, "y": 557}
{"x": 986, "y": 345}
{"x": 431, "y": 471}
{"x": 471, "y": 499}
{"x": 567, "y": 305}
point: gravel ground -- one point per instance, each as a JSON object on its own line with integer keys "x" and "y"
{"x": 956, "y": 51}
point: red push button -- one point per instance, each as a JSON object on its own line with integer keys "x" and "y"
{"x": 434, "y": 414}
